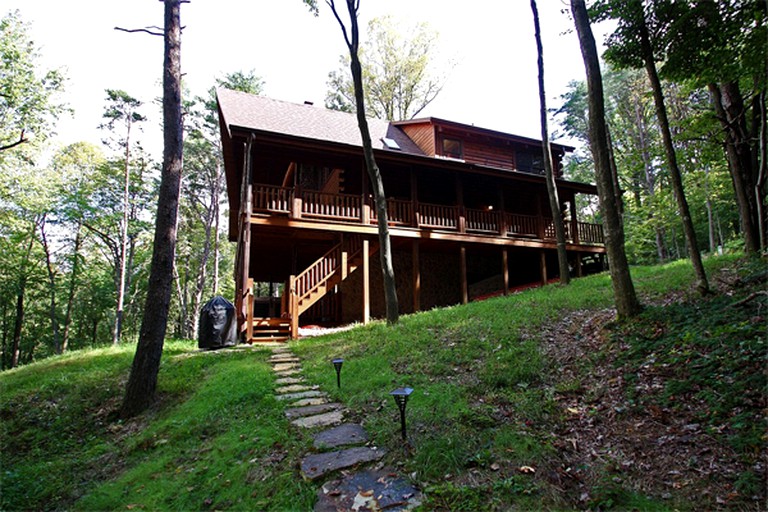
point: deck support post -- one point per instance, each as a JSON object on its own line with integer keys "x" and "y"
{"x": 293, "y": 307}
{"x": 416, "y": 276}
{"x": 543, "y": 267}
{"x": 463, "y": 266}
{"x": 366, "y": 282}
{"x": 579, "y": 269}
{"x": 505, "y": 269}
{"x": 249, "y": 315}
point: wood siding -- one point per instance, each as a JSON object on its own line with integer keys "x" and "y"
{"x": 423, "y": 135}
{"x": 488, "y": 155}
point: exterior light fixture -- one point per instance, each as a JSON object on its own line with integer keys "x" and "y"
{"x": 337, "y": 365}
{"x": 401, "y": 399}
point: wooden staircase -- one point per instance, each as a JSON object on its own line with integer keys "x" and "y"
{"x": 322, "y": 276}
{"x": 270, "y": 329}
{"x": 304, "y": 290}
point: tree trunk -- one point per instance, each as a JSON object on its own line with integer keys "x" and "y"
{"x": 52, "y": 287}
{"x": 385, "y": 250}
{"x": 627, "y": 304}
{"x": 729, "y": 107}
{"x": 216, "y": 220}
{"x": 702, "y": 284}
{"x": 72, "y": 289}
{"x": 142, "y": 382}
{"x": 762, "y": 167}
{"x": 554, "y": 201}
{"x": 117, "y": 331}
{"x": 201, "y": 277}
{"x": 19, "y": 322}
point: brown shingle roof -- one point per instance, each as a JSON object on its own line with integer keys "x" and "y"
{"x": 242, "y": 110}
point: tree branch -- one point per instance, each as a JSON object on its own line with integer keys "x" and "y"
{"x": 21, "y": 140}
{"x": 147, "y": 30}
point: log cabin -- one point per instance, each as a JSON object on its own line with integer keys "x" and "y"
{"x": 467, "y": 211}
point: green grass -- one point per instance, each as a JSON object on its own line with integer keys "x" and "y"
{"x": 216, "y": 432}
{"x": 484, "y": 407}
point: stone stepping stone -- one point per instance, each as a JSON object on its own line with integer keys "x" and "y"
{"x": 289, "y": 380}
{"x": 320, "y": 420}
{"x": 279, "y": 357}
{"x": 294, "y": 388}
{"x": 318, "y": 465}
{"x": 281, "y": 367}
{"x": 284, "y": 359}
{"x": 310, "y": 410}
{"x": 299, "y": 396}
{"x": 310, "y": 401}
{"x": 368, "y": 490}
{"x": 288, "y": 372}
{"x": 343, "y": 435}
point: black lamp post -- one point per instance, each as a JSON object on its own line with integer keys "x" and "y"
{"x": 401, "y": 399}
{"x": 337, "y": 365}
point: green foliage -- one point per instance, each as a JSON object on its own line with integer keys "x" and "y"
{"x": 399, "y": 73}
{"x": 28, "y": 104}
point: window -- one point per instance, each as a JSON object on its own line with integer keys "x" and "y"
{"x": 530, "y": 162}
{"x": 452, "y": 148}
{"x": 390, "y": 143}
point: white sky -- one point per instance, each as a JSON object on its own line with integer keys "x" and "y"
{"x": 493, "y": 85}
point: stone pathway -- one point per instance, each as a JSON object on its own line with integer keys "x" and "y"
{"x": 340, "y": 447}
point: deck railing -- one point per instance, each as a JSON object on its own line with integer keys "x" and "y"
{"x": 522, "y": 225}
{"x": 330, "y": 206}
{"x": 438, "y": 216}
{"x": 483, "y": 221}
{"x": 349, "y": 208}
{"x": 269, "y": 198}
{"x": 399, "y": 212}
{"x": 591, "y": 233}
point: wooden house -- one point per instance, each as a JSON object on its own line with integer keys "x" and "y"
{"x": 467, "y": 210}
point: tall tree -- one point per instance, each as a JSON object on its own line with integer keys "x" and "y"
{"x": 398, "y": 73}
{"x": 140, "y": 390}
{"x": 632, "y": 44}
{"x": 352, "y": 39}
{"x": 554, "y": 201}
{"x": 122, "y": 109}
{"x": 727, "y": 53}
{"x": 627, "y": 304}
{"x": 198, "y": 253}
{"x": 28, "y": 103}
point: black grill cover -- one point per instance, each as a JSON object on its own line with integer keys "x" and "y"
{"x": 218, "y": 327}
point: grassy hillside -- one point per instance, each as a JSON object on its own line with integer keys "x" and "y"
{"x": 534, "y": 401}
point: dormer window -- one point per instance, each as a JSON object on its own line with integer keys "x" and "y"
{"x": 453, "y": 148}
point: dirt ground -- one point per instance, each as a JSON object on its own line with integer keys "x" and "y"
{"x": 653, "y": 450}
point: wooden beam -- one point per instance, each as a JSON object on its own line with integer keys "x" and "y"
{"x": 366, "y": 283}
{"x": 416, "y": 272}
{"x": 407, "y": 232}
{"x": 463, "y": 265}
{"x": 543, "y": 267}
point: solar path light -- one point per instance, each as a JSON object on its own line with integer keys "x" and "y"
{"x": 401, "y": 399}
{"x": 337, "y": 365}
